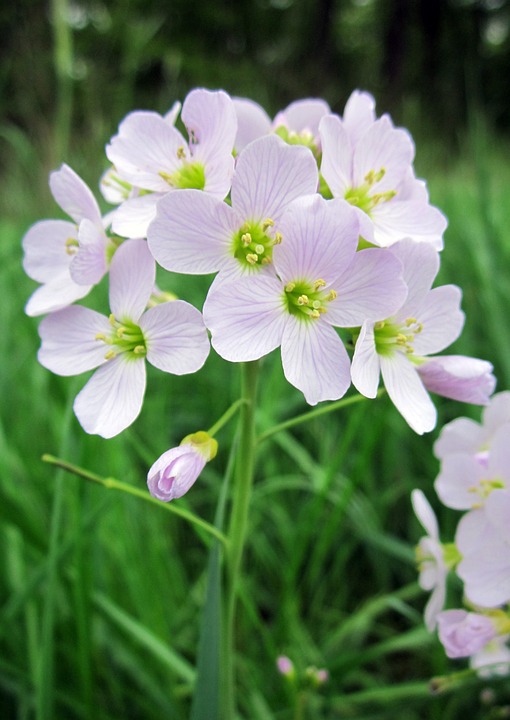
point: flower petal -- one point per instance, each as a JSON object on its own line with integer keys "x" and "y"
{"x": 420, "y": 265}
{"x": 407, "y": 392}
{"x": 315, "y": 360}
{"x": 425, "y": 514}
{"x": 69, "y": 344}
{"x": 442, "y": 320}
{"x": 336, "y": 165}
{"x": 56, "y": 294}
{"x": 459, "y": 378}
{"x": 252, "y": 122}
{"x": 395, "y": 220}
{"x": 44, "y": 245}
{"x": 89, "y": 264}
{"x": 359, "y": 114}
{"x": 383, "y": 147}
{"x": 303, "y": 115}
{"x": 458, "y": 481}
{"x": 74, "y": 196}
{"x": 175, "y": 336}
{"x": 133, "y": 217}
{"x": 210, "y": 119}
{"x": 365, "y": 366}
{"x": 113, "y": 397}
{"x": 132, "y": 278}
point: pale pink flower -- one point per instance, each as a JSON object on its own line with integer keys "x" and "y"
{"x": 369, "y": 163}
{"x": 173, "y": 474}
{"x": 464, "y": 633}
{"x": 493, "y": 660}
{"x": 171, "y": 336}
{"x": 430, "y": 558}
{"x": 153, "y": 158}
{"x": 461, "y": 378}
{"x": 297, "y": 124}
{"x": 196, "y": 233}
{"x": 426, "y": 323}
{"x": 320, "y": 283}
{"x": 67, "y": 257}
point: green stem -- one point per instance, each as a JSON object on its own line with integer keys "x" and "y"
{"x": 113, "y": 484}
{"x": 227, "y": 415}
{"x": 243, "y": 480}
{"x": 322, "y": 410}
{"x": 63, "y": 63}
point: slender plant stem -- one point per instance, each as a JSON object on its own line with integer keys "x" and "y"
{"x": 305, "y": 417}
{"x": 243, "y": 480}
{"x": 227, "y": 415}
{"x": 63, "y": 63}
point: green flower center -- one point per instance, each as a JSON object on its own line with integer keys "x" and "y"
{"x": 306, "y": 300}
{"x": 190, "y": 176}
{"x": 253, "y": 246}
{"x": 126, "y": 338}
{"x": 363, "y": 197}
{"x": 305, "y": 137}
{"x": 390, "y": 336}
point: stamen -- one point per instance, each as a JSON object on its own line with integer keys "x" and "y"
{"x": 277, "y": 238}
{"x": 319, "y": 284}
{"x": 332, "y": 295}
{"x": 246, "y": 239}
{"x": 72, "y": 246}
{"x": 303, "y": 300}
{"x": 110, "y": 355}
{"x": 252, "y": 258}
{"x": 259, "y": 249}
{"x": 267, "y": 224}
{"x": 289, "y": 287}
{"x": 181, "y": 154}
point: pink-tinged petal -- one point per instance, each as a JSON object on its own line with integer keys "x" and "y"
{"x": 132, "y": 278}
{"x": 370, "y": 289}
{"x": 383, "y": 147}
{"x": 269, "y": 175}
{"x": 69, "y": 345}
{"x": 252, "y": 122}
{"x": 460, "y": 435}
{"x": 175, "y": 472}
{"x": 499, "y": 456}
{"x": 146, "y": 146}
{"x": 171, "y": 116}
{"x": 246, "y": 318}
{"x": 462, "y": 634}
{"x": 359, "y": 114}
{"x": 303, "y": 115}
{"x": 336, "y": 165}
{"x": 395, "y": 220}
{"x": 365, "y": 366}
{"x": 44, "y": 245}
{"x": 56, "y": 294}
{"x": 425, "y": 514}
{"x": 113, "y": 397}
{"x": 459, "y": 378}
{"x": 412, "y": 188}
{"x": 486, "y": 573}
{"x": 472, "y": 531}
{"x": 407, "y": 392}
{"x": 366, "y": 226}
{"x": 458, "y": 482}
{"x": 434, "y": 606}
{"x": 218, "y": 168}
{"x": 315, "y": 360}
{"x": 74, "y": 196}
{"x": 442, "y": 320}
{"x": 210, "y": 119}
{"x": 420, "y": 265}
{"x": 498, "y": 411}
{"x": 89, "y": 264}
{"x": 133, "y": 217}
{"x": 320, "y": 240}
{"x": 193, "y": 233}
{"x": 497, "y": 509}
{"x": 175, "y": 337}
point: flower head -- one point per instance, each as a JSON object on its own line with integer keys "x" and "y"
{"x": 464, "y": 633}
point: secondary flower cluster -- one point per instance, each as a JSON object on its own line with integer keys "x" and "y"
{"x": 322, "y": 239}
{"x": 474, "y": 477}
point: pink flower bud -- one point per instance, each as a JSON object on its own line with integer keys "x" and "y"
{"x": 285, "y": 666}
{"x": 463, "y": 633}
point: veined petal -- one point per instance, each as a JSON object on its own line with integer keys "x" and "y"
{"x": 336, "y": 166}
{"x": 269, "y": 175}
{"x": 89, "y": 264}
{"x": 54, "y": 295}
{"x": 420, "y": 265}
{"x": 460, "y": 435}
{"x": 458, "y": 481}
{"x": 74, "y": 196}
{"x": 370, "y": 289}
{"x": 133, "y": 217}
{"x": 112, "y": 398}
{"x": 252, "y": 122}
{"x": 315, "y": 360}
{"x": 246, "y": 317}
{"x": 132, "y": 278}
{"x": 210, "y": 119}
{"x": 302, "y": 115}
{"x": 321, "y": 237}
{"x": 69, "y": 345}
{"x": 396, "y": 219}
{"x": 192, "y": 233}
{"x": 359, "y": 114}
{"x": 175, "y": 337}
{"x": 383, "y": 147}
{"x": 407, "y": 392}
{"x": 145, "y": 146}
{"x": 45, "y": 249}
{"x": 365, "y": 366}
{"x": 459, "y": 378}
{"x": 442, "y": 320}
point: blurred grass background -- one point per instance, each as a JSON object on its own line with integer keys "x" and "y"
{"x": 100, "y": 594}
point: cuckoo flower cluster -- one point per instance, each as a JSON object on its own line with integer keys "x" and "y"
{"x": 474, "y": 478}
{"x": 323, "y": 244}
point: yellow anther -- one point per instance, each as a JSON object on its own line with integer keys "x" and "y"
{"x": 267, "y": 224}
{"x": 303, "y": 300}
{"x": 322, "y": 310}
{"x": 246, "y": 239}
{"x": 410, "y": 321}
{"x": 111, "y": 319}
{"x": 289, "y": 287}
{"x": 418, "y": 328}
{"x": 72, "y": 246}
{"x": 401, "y": 339}
{"x": 316, "y": 304}
{"x": 315, "y": 314}
{"x": 100, "y": 336}
{"x": 259, "y": 249}
{"x": 379, "y": 176}
{"x": 319, "y": 284}
{"x": 181, "y": 153}
{"x": 409, "y": 350}
{"x": 110, "y": 355}
{"x": 245, "y": 228}
{"x": 379, "y": 325}
{"x": 252, "y": 258}
{"x": 332, "y": 295}
{"x": 120, "y": 332}
{"x": 277, "y": 238}
{"x": 370, "y": 177}
{"x": 139, "y": 350}
{"x": 265, "y": 261}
